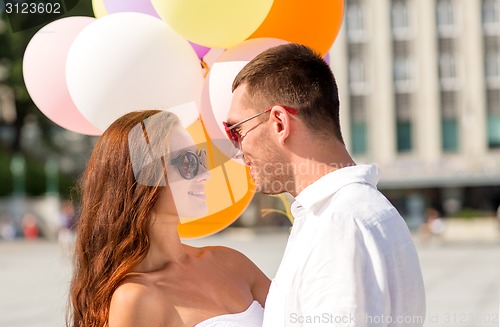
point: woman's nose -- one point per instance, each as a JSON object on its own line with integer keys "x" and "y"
{"x": 203, "y": 174}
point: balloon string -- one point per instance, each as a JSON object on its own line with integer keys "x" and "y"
{"x": 205, "y": 66}
{"x": 287, "y": 212}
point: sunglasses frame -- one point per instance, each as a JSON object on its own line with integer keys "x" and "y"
{"x": 236, "y": 138}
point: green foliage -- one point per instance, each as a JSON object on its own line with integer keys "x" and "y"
{"x": 12, "y": 48}
{"x": 469, "y": 213}
{"x": 35, "y": 177}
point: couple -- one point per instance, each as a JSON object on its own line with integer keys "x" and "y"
{"x": 349, "y": 261}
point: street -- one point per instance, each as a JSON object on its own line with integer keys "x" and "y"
{"x": 462, "y": 280}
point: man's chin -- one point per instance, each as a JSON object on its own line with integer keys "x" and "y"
{"x": 266, "y": 188}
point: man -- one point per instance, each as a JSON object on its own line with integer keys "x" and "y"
{"x": 350, "y": 259}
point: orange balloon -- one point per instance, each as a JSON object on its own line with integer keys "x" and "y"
{"x": 312, "y": 23}
{"x": 229, "y": 190}
{"x": 218, "y": 221}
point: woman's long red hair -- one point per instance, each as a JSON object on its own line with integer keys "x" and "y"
{"x": 112, "y": 234}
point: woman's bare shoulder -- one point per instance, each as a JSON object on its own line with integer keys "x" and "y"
{"x": 137, "y": 303}
{"x": 241, "y": 265}
{"x": 228, "y": 254}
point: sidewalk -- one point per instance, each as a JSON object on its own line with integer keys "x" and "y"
{"x": 462, "y": 279}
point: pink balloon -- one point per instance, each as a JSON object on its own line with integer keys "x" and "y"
{"x": 248, "y": 49}
{"x": 200, "y": 50}
{"x": 140, "y": 6}
{"x": 44, "y": 72}
{"x": 327, "y": 58}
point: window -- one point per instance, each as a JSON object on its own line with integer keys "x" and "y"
{"x": 491, "y": 16}
{"x": 492, "y": 59}
{"x": 359, "y": 134}
{"x": 402, "y": 67}
{"x": 493, "y": 103}
{"x": 400, "y": 19}
{"x": 448, "y": 65}
{"x": 354, "y": 19}
{"x": 357, "y": 71}
{"x": 446, "y": 18}
{"x": 403, "y": 123}
{"x": 449, "y": 122}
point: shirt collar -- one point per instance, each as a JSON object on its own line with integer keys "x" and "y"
{"x": 329, "y": 184}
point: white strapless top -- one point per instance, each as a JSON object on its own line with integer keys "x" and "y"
{"x": 251, "y": 317}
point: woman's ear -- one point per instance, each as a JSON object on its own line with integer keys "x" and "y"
{"x": 281, "y": 123}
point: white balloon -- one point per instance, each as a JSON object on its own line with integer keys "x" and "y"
{"x": 130, "y": 61}
{"x": 221, "y": 79}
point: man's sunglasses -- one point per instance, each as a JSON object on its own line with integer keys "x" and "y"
{"x": 188, "y": 163}
{"x": 236, "y": 137}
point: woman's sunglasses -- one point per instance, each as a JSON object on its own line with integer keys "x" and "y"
{"x": 236, "y": 137}
{"x": 188, "y": 163}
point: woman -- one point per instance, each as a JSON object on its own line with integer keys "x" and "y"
{"x": 131, "y": 268}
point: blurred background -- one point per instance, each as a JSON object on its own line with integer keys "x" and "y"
{"x": 419, "y": 86}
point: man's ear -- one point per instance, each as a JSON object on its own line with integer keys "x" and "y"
{"x": 281, "y": 123}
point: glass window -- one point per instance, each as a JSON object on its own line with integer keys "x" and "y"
{"x": 449, "y": 135}
{"x": 402, "y": 64}
{"x": 445, "y": 14}
{"x": 359, "y": 134}
{"x": 399, "y": 16}
{"x": 447, "y": 66}
{"x": 403, "y": 130}
{"x": 356, "y": 71}
{"x": 492, "y": 57}
{"x": 449, "y": 122}
{"x": 491, "y": 12}
{"x": 404, "y": 133}
{"x": 493, "y": 64}
{"x": 493, "y": 103}
{"x": 354, "y": 18}
{"x": 402, "y": 69}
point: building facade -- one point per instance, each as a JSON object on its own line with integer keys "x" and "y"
{"x": 420, "y": 97}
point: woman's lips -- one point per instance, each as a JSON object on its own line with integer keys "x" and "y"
{"x": 198, "y": 194}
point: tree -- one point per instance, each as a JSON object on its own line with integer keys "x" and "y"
{"x": 15, "y": 34}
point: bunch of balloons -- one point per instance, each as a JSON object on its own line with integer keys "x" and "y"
{"x": 85, "y": 72}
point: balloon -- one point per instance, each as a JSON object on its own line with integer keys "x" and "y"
{"x": 200, "y": 50}
{"x": 214, "y": 24}
{"x": 216, "y": 99}
{"x": 44, "y": 73}
{"x": 313, "y": 23}
{"x": 140, "y": 6}
{"x": 216, "y": 222}
{"x": 130, "y": 61}
{"x": 248, "y": 49}
{"x": 98, "y": 8}
{"x": 229, "y": 190}
{"x": 327, "y": 58}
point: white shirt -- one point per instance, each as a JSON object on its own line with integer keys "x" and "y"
{"x": 349, "y": 261}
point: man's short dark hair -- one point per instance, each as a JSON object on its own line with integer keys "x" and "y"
{"x": 294, "y": 75}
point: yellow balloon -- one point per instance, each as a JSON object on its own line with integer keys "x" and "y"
{"x": 99, "y": 8}
{"x": 214, "y": 24}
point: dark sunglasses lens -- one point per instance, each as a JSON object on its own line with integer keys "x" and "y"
{"x": 188, "y": 165}
{"x": 235, "y": 138}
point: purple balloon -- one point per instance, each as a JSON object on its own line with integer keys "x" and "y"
{"x": 327, "y": 58}
{"x": 200, "y": 50}
{"x": 140, "y": 6}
